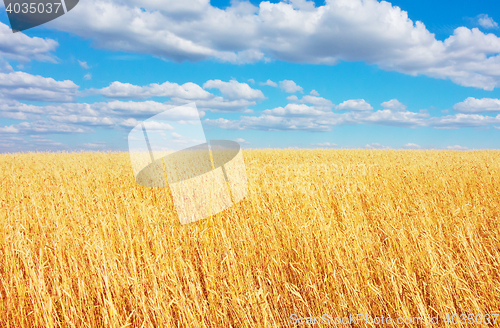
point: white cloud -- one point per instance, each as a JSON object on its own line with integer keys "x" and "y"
{"x": 144, "y": 109}
{"x": 269, "y": 123}
{"x": 392, "y": 118}
{"x": 497, "y": 127}
{"x": 24, "y": 86}
{"x": 295, "y": 110}
{"x": 22, "y": 48}
{"x": 239, "y": 95}
{"x": 393, "y": 105}
{"x": 313, "y": 100}
{"x": 234, "y": 90}
{"x": 412, "y": 146}
{"x": 290, "y": 86}
{"x": 309, "y": 118}
{"x": 241, "y": 141}
{"x": 251, "y": 81}
{"x": 9, "y": 129}
{"x": 163, "y": 31}
{"x": 87, "y": 76}
{"x": 19, "y": 116}
{"x": 462, "y": 121}
{"x": 473, "y": 105}
{"x": 44, "y": 127}
{"x": 269, "y": 83}
{"x": 85, "y": 120}
{"x": 456, "y": 147}
{"x": 119, "y": 90}
{"x": 5, "y": 67}
{"x": 354, "y": 105}
{"x": 375, "y": 146}
{"x": 293, "y": 116}
{"x": 112, "y": 109}
{"x": 314, "y": 93}
{"x": 7, "y": 105}
{"x": 83, "y": 65}
{"x": 485, "y": 21}
{"x": 130, "y": 122}
{"x": 296, "y": 31}
{"x": 158, "y": 126}
{"x": 218, "y": 104}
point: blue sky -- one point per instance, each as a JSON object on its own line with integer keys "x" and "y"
{"x": 331, "y": 74}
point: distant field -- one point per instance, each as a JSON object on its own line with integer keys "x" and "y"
{"x": 335, "y": 232}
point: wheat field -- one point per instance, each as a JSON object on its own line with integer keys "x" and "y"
{"x": 336, "y": 232}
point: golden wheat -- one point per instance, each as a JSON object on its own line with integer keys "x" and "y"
{"x": 338, "y": 232}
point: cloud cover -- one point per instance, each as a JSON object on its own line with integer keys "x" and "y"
{"x": 295, "y": 31}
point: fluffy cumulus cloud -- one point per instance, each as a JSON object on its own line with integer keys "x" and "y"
{"x": 303, "y": 117}
{"x": 71, "y": 117}
{"x": 81, "y": 119}
{"x": 393, "y": 105}
{"x": 142, "y": 109}
{"x": 99, "y": 113}
{"x": 295, "y": 110}
{"x": 462, "y": 121}
{"x": 296, "y": 31}
{"x": 392, "y": 118}
{"x": 24, "y": 86}
{"x": 22, "y": 48}
{"x": 241, "y": 141}
{"x": 234, "y": 90}
{"x": 119, "y": 90}
{"x": 269, "y": 83}
{"x": 237, "y": 97}
{"x": 43, "y": 127}
{"x": 270, "y": 123}
{"x": 290, "y": 86}
{"x": 319, "y": 102}
{"x": 218, "y": 104}
{"x": 473, "y": 105}
{"x": 309, "y": 119}
{"x": 295, "y": 116}
{"x": 411, "y": 145}
{"x": 487, "y": 22}
{"x": 308, "y": 113}
{"x": 354, "y": 105}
